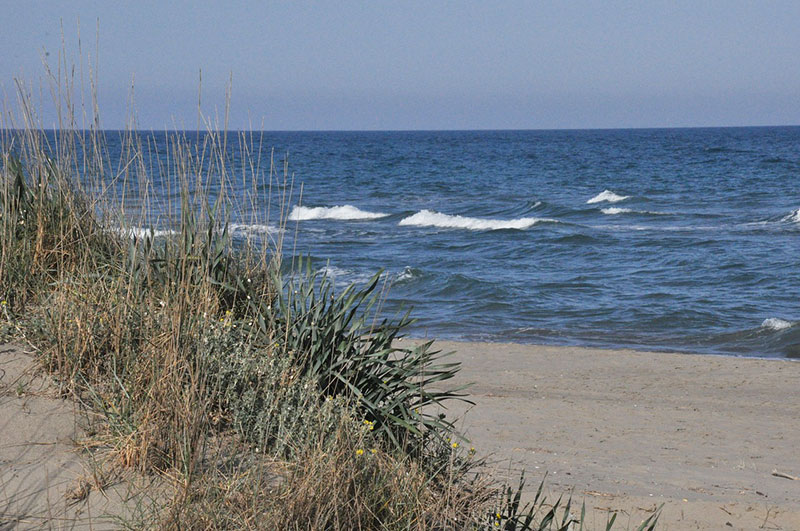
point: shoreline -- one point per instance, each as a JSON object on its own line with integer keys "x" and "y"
{"x": 630, "y": 430}
{"x": 579, "y": 345}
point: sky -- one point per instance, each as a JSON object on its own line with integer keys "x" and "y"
{"x": 348, "y": 65}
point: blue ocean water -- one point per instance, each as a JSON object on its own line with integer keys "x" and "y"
{"x": 664, "y": 239}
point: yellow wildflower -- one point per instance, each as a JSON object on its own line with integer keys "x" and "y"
{"x": 373, "y": 451}
{"x": 360, "y": 451}
{"x": 454, "y": 445}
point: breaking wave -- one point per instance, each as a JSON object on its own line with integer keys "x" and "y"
{"x": 794, "y": 217}
{"x": 773, "y": 323}
{"x": 407, "y": 274}
{"x": 343, "y": 212}
{"x": 607, "y": 196}
{"x": 428, "y": 218}
{"x": 141, "y": 232}
{"x": 241, "y": 228}
{"x": 616, "y": 210}
{"x": 346, "y": 276}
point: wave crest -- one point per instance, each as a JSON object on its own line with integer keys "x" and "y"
{"x": 428, "y": 218}
{"x": 794, "y": 217}
{"x": 241, "y": 228}
{"x": 773, "y": 323}
{"x": 408, "y": 273}
{"x": 141, "y": 232}
{"x": 607, "y": 196}
{"x": 347, "y": 276}
{"x": 616, "y": 210}
{"x": 343, "y": 212}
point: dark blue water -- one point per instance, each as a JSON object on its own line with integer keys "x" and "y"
{"x": 669, "y": 239}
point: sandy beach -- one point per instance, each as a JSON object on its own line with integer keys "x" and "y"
{"x": 47, "y": 481}
{"x": 703, "y": 435}
{"x": 627, "y": 431}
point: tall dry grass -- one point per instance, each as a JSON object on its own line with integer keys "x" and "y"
{"x": 265, "y": 400}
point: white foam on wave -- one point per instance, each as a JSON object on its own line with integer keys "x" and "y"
{"x": 255, "y": 228}
{"x": 348, "y": 276}
{"x": 428, "y": 218}
{"x": 141, "y": 232}
{"x": 407, "y": 273}
{"x": 333, "y": 271}
{"x": 343, "y": 212}
{"x": 773, "y": 323}
{"x": 794, "y": 217}
{"x": 607, "y": 196}
{"x": 234, "y": 228}
{"x": 616, "y": 210}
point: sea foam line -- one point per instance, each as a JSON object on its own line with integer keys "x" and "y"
{"x": 608, "y": 196}
{"x": 343, "y": 212}
{"x": 428, "y": 218}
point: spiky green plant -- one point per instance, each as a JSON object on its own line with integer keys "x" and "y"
{"x": 340, "y": 341}
{"x": 511, "y": 515}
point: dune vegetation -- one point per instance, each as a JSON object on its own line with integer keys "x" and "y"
{"x": 259, "y": 395}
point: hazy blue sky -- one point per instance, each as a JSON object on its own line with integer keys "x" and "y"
{"x": 425, "y": 64}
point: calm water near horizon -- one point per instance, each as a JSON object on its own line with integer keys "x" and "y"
{"x": 665, "y": 239}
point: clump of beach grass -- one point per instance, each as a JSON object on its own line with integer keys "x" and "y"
{"x": 264, "y": 399}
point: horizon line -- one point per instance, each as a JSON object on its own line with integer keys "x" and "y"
{"x": 425, "y": 130}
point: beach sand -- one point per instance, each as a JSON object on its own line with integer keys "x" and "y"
{"x": 627, "y": 431}
{"x": 46, "y": 480}
{"x": 630, "y": 431}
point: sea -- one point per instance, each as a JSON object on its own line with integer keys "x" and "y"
{"x": 684, "y": 240}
